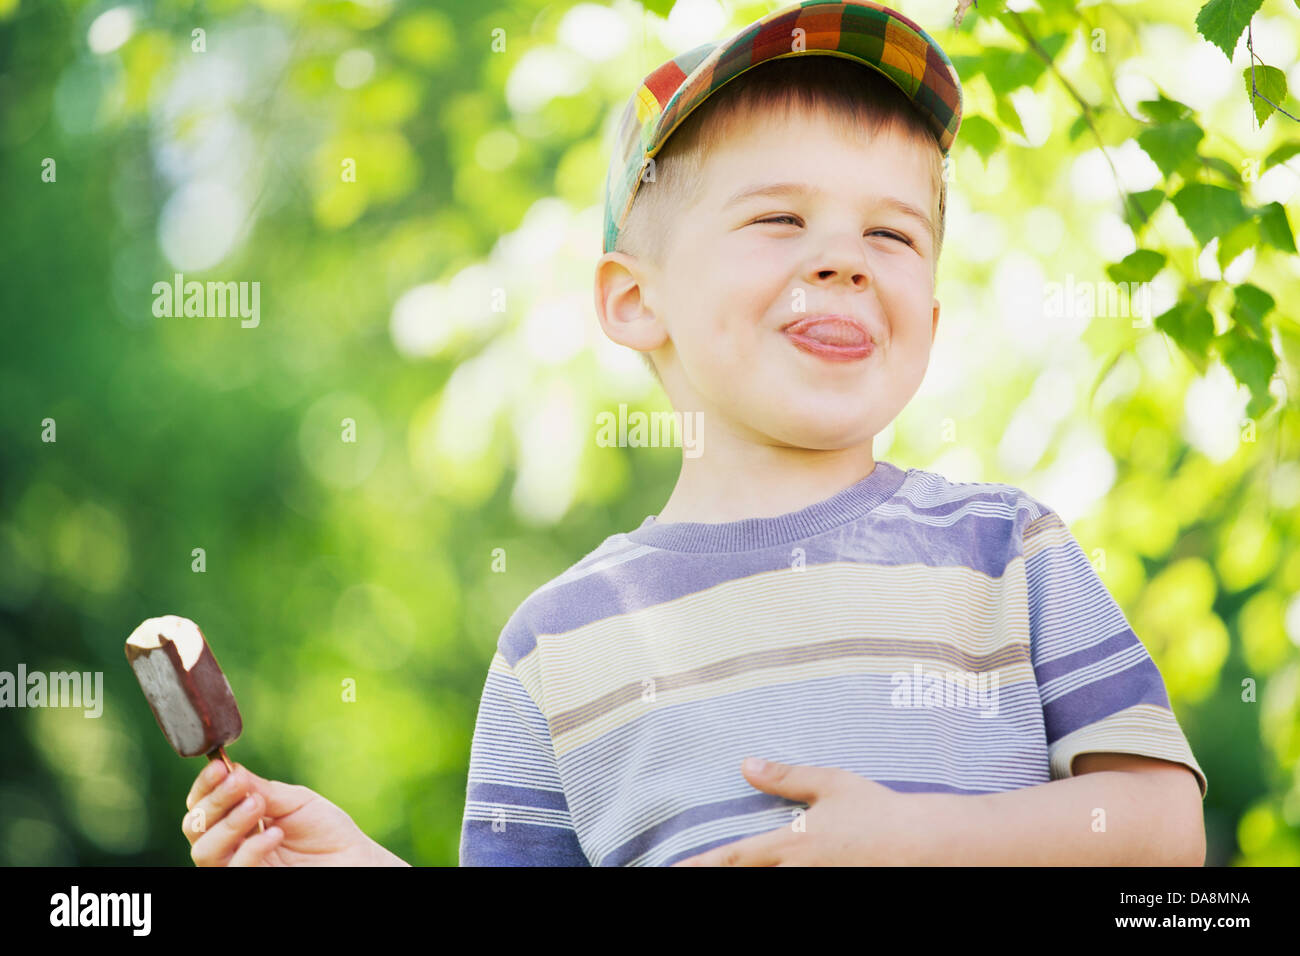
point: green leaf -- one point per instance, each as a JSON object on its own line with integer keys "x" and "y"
{"x": 1171, "y": 146}
{"x": 1081, "y": 123}
{"x": 980, "y": 134}
{"x": 1164, "y": 110}
{"x": 1283, "y": 152}
{"x": 967, "y": 67}
{"x": 1252, "y": 363}
{"x": 1033, "y": 21}
{"x": 660, "y": 7}
{"x": 1008, "y": 69}
{"x": 1054, "y": 44}
{"x": 1146, "y": 201}
{"x": 1223, "y": 168}
{"x": 1222, "y": 22}
{"x": 1209, "y": 211}
{"x": 1007, "y": 113}
{"x": 1191, "y": 326}
{"x": 1269, "y": 81}
{"x": 1140, "y": 266}
{"x": 1240, "y": 237}
{"x": 1065, "y": 6}
{"x": 1250, "y": 306}
{"x": 1274, "y": 227}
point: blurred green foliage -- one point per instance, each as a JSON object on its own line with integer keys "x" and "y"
{"x": 416, "y": 188}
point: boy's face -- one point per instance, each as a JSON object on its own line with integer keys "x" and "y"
{"x": 715, "y": 311}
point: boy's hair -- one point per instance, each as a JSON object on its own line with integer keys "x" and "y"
{"x": 853, "y": 96}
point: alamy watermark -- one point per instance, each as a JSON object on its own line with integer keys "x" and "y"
{"x": 76, "y": 908}
{"x": 651, "y": 430}
{"x": 211, "y": 300}
{"x": 1106, "y": 300}
{"x": 57, "y": 689}
{"x": 946, "y": 689}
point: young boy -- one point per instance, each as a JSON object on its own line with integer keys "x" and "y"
{"x": 935, "y": 667}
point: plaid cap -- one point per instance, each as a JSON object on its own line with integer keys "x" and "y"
{"x": 860, "y": 30}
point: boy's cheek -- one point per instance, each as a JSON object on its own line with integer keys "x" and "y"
{"x": 747, "y": 259}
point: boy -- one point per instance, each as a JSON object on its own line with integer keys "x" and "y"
{"x": 936, "y": 668}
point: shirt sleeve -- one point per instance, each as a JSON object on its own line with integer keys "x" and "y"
{"x": 515, "y": 809}
{"x": 1100, "y": 689}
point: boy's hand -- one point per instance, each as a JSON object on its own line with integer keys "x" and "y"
{"x": 850, "y": 821}
{"x": 302, "y": 827}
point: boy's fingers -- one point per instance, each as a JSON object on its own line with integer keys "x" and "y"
{"x": 253, "y": 851}
{"x": 193, "y": 825}
{"x": 208, "y": 811}
{"x": 228, "y": 793}
{"x": 208, "y": 807}
{"x": 221, "y": 839}
{"x": 209, "y": 777}
{"x": 283, "y": 799}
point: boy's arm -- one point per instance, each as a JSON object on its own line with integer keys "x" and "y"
{"x": 516, "y": 813}
{"x": 1117, "y": 810}
{"x": 1116, "y": 750}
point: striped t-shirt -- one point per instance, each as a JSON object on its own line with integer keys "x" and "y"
{"x": 932, "y": 636}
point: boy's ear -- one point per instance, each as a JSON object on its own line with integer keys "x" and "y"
{"x": 622, "y": 303}
{"x": 934, "y": 322}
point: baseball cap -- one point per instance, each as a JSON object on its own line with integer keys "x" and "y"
{"x": 859, "y": 30}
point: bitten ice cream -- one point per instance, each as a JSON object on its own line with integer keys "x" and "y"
{"x": 186, "y": 690}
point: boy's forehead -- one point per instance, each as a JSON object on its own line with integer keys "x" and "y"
{"x": 776, "y": 149}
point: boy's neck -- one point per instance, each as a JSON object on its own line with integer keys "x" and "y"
{"x": 761, "y": 481}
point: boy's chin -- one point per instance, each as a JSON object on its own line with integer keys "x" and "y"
{"x": 819, "y": 432}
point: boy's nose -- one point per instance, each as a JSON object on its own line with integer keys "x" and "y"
{"x": 843, "y": 258}
{"x": 857, "y": 277}
{"x": 856, "y": 274}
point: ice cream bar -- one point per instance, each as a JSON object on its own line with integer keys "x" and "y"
{"x": 184, "y": 685}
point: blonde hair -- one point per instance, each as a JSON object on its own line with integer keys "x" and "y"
{"x": 853, "y": 96}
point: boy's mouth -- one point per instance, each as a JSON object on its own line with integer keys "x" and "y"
{"x": 835, "y": 337}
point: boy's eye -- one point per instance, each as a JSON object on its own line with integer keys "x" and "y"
{"x": 892, "y": 235}
{"x": 884, "y": 232}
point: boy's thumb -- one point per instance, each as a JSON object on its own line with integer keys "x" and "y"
{"x": 282, "y": 798}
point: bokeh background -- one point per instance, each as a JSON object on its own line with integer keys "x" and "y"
{"x": 442, "y": 301}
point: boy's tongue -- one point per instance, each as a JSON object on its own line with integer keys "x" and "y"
{"x": 830, "y": 332}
